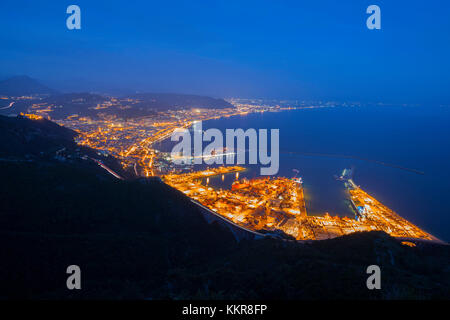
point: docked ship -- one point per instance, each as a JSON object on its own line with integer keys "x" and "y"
{"x": 298, "y": 180}
{"x": 240, "y": 184}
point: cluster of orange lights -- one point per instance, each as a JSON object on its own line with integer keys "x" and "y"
{"x": 32, "y": 116}
{"x": 278, "y": 205}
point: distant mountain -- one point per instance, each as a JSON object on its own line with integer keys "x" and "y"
{"x": 81, "y": 103}
{"x": 94, "y": 105}
{"x": 164, "y": 101}
{"x": 91, "y": 105}
{"x": 23, "y": 85}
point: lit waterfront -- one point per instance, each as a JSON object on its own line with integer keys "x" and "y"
{"x": 278, "y": 204}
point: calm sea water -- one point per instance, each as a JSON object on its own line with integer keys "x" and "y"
{"x": 319, "y": 142}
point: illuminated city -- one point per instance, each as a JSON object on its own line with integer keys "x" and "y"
{"x": 270, "y": 205}
{"x": 131, "y": 139}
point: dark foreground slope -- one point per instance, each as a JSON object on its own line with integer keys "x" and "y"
{"x": 141, "y": 239}
{"x": 125, "y": 236}
{"x": 43, "y": 141}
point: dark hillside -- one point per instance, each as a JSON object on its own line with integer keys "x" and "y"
{"x": 42, "y": 141}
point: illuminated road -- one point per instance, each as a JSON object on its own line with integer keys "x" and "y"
{"x": 101, "y": 164}
{"x": 7, "y": 107}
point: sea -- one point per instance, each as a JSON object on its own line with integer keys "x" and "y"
{"x": 399, "y": 154}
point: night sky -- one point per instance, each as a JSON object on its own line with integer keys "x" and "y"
{"x": 305, "y": 50}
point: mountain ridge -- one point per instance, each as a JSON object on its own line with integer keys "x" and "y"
{"x": 23, "y": 85}
{"x": 179, "y": 100}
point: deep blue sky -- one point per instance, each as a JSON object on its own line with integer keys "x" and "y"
{"x": 277, "y": 49}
